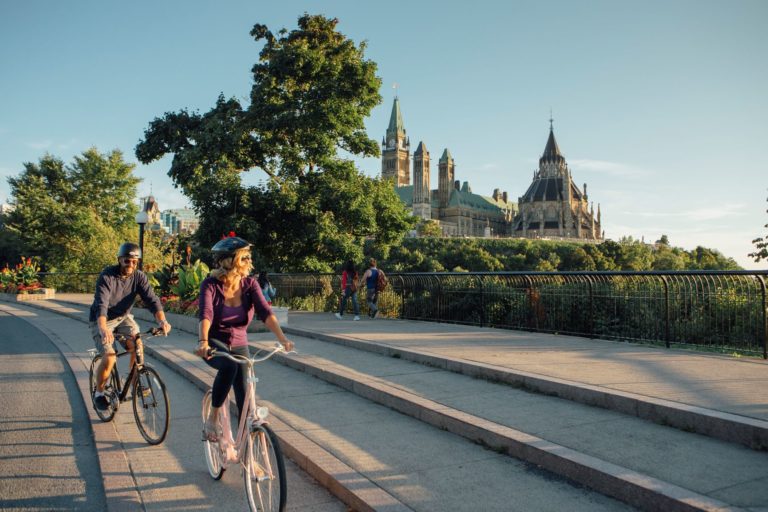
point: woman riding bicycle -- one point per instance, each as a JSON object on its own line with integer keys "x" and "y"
{"x": 229, "y": 297}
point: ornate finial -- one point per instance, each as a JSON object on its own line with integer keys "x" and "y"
{"x": 150, "y": 188}
{"x": 550, "y": 119}
{"x": 395, "y": 85}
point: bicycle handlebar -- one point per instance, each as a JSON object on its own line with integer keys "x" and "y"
{"x": 237, "y": 358}
{"x": 153, "y": 333}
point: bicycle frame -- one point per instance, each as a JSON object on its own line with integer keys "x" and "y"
{"x": 251, "y": 418}
{"x": 133, "y": 372}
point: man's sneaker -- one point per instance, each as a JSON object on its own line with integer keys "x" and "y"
{"x": 356, "y": 318}
{"x": 338, "y": 316}
{"x": 101, "y": 402}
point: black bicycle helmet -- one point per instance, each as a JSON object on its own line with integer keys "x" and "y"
{"x": 227, "y": 247}
{"x": 129, "y": 250}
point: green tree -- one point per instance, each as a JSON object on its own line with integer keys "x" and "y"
{"x": 761, "y": 247}
{"x": 666, "y": 258}
{"x": 69, "y": 215}
{"x": 312, "y": 90}
{"x": 429, "y": 228}
{"x": 634, "y": 255}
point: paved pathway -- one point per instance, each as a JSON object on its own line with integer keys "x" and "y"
{"x": 48, "y": 455}
{"x": 718, "y": 382}
{"x": 136, "y": 476}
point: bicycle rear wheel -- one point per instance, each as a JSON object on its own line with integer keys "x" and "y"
{"x": 212, "y": 452}
{"x": 151, "y": 406}
{"x": 264, "y": 472}
{"x": 110, "y": 390}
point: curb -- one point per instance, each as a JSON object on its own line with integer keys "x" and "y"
{"x": 749, "y": 432}
{"x": 629, "y": 486}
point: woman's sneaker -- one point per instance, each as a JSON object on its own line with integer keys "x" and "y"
{"x": 356, "y": 318}
{"x": 338, "y": 316}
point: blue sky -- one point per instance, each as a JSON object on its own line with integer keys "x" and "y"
{"x": 659, "y": 106}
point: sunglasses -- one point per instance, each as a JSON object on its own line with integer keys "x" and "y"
{"x": 247, "y": 257}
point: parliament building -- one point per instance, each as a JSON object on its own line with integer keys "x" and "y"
{"x": 552, "y": 207}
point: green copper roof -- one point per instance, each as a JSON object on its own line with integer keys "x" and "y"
{"x": 396, "y": 120}
{"x": 458, "y": 198}
{"x": 406, "y": 195}
{"x": 446, "y": 156}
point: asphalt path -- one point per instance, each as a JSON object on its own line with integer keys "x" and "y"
{"x": 47, "y": 448}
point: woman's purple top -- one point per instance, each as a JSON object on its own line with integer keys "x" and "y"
{"x": 226, "y": 325}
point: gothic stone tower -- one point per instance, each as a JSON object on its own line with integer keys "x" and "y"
{"x": 422, "y": 207}
{"x": 395, "y": 150}
{"x": 553, "y": 206}
{"x": 445, "y": 178}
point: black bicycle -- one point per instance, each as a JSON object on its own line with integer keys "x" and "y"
{"x": 151, "y": 407}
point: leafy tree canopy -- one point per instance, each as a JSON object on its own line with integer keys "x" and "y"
{"x": 312, "y": 90}
{"x": 68, "y": 214}
{"x": 486, "y": 255}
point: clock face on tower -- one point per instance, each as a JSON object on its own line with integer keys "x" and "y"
{"x": 391, "y": 143}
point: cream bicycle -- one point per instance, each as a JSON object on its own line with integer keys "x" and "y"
{"x": 255, "y": 448}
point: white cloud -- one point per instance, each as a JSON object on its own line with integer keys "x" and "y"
{"x": 697, "y": 214}
{"x": 37, "y": 146}
{"x": 605, "y": 167}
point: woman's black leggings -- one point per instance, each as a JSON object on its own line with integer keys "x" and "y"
{"x": 230, "y": 375}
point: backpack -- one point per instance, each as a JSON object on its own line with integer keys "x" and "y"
{"x": 381, "y": 281}
{"x": 353, "y": 282}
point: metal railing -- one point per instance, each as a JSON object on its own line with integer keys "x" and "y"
{"x": 716, "y": 310}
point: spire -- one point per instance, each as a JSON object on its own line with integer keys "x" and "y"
{"x": 446, "y": 156}
{"x": 396, "y": 126}
{"x": 551, "y": 151}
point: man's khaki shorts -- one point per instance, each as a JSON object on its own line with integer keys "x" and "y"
{"x": 124, "y": 325}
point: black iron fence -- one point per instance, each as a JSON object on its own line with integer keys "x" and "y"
{"x": 717, "y": 310}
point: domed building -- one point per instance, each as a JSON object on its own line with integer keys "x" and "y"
{"x": 553, "y": 206}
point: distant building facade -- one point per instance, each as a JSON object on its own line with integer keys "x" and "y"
{"x": 174, "y": 222}
{"x": 180, "y": 220}
{"x": 552, "y": 207}
{"x": 458, "y": 210}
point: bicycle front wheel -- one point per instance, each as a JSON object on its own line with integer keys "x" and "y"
{"x": 264, "y": 472}
{"x": 212, "y": 452}
{"x": 111, "y": 390}
{"x": 151, "y": 406}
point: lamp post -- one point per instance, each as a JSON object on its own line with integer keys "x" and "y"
{"x": 141, "y": 220}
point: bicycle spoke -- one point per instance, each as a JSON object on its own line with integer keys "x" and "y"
{"x": 264, "y": 473}
{"x": 151, "y": 407}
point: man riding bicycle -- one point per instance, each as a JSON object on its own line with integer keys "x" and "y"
{"x": 116, "y": 289}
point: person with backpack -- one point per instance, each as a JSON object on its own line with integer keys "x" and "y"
{"x": 375, "y": 281}
{"x": 267, "y": 289}
{"x": 349, "y": 285}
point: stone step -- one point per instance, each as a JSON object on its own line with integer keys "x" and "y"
{"x": 641, "y": 463}
{"x": 734, "y": 428}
